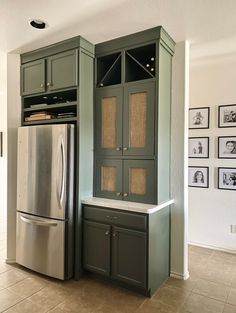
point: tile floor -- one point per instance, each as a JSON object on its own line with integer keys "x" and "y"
{"x": 210, "y": 289}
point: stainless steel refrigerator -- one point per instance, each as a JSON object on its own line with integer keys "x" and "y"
{"x": 45, "y": 199}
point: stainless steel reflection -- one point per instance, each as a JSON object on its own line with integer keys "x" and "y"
{"x": 45, "y": 202}
{"x": 44, "y": 160}
{"x": 41, "y": 244}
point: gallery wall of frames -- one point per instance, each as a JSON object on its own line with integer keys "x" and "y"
{"x": 199, "y": 118}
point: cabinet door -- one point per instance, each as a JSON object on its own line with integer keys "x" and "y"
{"x": 96, "y": 247}
{"x": 108, "y": 112}
{"x": 129, "y": 257}
{"x": 138, "y": 117}
{"x": 139, "y": 181}
{"x": 62, "y": 70}
{"x": 33, "y": 77}
{"x": 109, "y": 178}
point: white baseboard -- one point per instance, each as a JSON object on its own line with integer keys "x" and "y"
{"x": 10, "y": 261}
{"x": 179, "y": 276}
{"x": 212, "y": 247}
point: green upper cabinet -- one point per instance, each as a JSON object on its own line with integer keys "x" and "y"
{"x": 62, "y": 70}
{"x": 138, "y": 119}
{"x": 108, "y": 116}
{"x": 55, "y": 72}
{"x": 33, "y": 77}
{"x": 125, "y": 120}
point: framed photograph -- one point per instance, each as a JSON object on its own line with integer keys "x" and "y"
{"x": 199, "y": 118}
{"x": 198, "y": 147}
{"x": 227, "y": 147}
{"x": 227, "y": 115}
{"x": 227, "y": 178}
{"x": 198, "y": 176}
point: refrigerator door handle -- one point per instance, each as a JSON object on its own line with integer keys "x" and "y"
{"x": 37, "y": 223}
{"x": 61, "y": 185}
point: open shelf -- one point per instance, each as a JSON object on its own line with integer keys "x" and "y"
{"x": 51, "y": 121}
{"x": 109, "y": 70}
{"x": 60, "y": 106}
{"x": 140, "y": 63}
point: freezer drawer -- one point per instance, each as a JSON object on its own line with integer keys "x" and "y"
{"x": 41, "y": 245}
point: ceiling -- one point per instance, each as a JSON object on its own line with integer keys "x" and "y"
{"x": 209, "y": 25}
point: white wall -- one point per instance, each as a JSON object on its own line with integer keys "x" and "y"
{"x": 179, "y": 158}
{"x": 212, "y": 211}
{"x": 13, "y": 121}
{"x": 3, "y": 128}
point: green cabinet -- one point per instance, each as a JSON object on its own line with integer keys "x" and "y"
{"x": 96, "y": 235}
{"x": 48, "y": 74}
{"x": 133, "y": 112}
{"x": 129, "y": 248}
{"x": 62, "y": 70}
{"x": 129, "y": 257}
{"x": 122, "y": 250}
{"x": 125, "y": 120}
{"x": 33, "y": 77}
{"x": 130, "y": 180}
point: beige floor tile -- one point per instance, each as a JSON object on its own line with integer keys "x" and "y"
{"x": 49, "y": 297}
{"x": 188, "y": 284}
{"x": 212, "y": 290}
{"x": 223, "y": 256}
{"x": 200, "y": 304}
{"x": 156, "y": 307}
{"x": 173, "y": 297}
{"x": 8, "y": 299}
{"x": 4, "y": 267}
{"x": 27, "y": 287}
{"x": 202, "y": 251}
{"x": 232, "y": 296}
{"x": 57, "y": 310}
{"x": 229, "y": 309}
{"x": 11, "y": 277}
{"x": 25, "y": 306}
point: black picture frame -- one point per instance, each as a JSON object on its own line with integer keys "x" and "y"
{"x": 199, "y": 157}
{"x": 234, "y": 175}
{"x": 207, "y": 178}
{"x": 219, "y": 115}
{"x": 230, "y": 153}
{"x": 199, "y": 109}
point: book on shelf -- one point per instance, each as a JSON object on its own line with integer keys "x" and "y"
{"x": 39, "y": 116}
{"x": 38, "y": 105}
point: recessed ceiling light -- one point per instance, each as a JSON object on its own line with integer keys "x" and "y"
{"x": 38, "y": 24}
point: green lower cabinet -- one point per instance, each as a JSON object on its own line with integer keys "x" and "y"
{"x": 96, "y": 236}
{"x": 129, "y": 256}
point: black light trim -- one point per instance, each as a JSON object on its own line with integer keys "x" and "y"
{"x": 38, "y": 24}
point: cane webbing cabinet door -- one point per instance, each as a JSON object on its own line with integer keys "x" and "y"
{"x": 62, "y": 70}
{"x": 129, "y": 261}
{"x": 138, "y": 117}
{"x": 139, "y": 181}
{"x": 108, "y": 110}
{"x": 96, "y": 236}
{"x": 33, "y": 77}
{"x": 109, "y": 178}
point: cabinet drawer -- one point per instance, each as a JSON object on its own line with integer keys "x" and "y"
{"x": 115, "y": 217}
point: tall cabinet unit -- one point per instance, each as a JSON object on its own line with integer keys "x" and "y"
{"x": 132, "y": 160}
{"x": 57, "y": 86}
{"x": 132, "y": 109}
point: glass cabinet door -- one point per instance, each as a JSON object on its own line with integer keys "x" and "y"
{"x": 138, "y": 116}
{"x": 108, "y": 112}
{"x": 139, "y": 182}
{"x": 109, "y": 178}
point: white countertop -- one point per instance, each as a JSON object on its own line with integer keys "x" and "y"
{"x": 127, "y": 205}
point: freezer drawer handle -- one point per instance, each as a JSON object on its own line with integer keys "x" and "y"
{"x": 38, "y": 223}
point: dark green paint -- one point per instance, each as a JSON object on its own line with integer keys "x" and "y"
{"x": 33, "y": 78}
{"x": 129, "y": 256}
{"x": 96, "y": 236}
{"x": 100, "y": 95}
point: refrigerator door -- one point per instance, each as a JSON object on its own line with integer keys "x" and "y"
{"x": 45, "y": 170}
{"x": 41, "y": 244}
